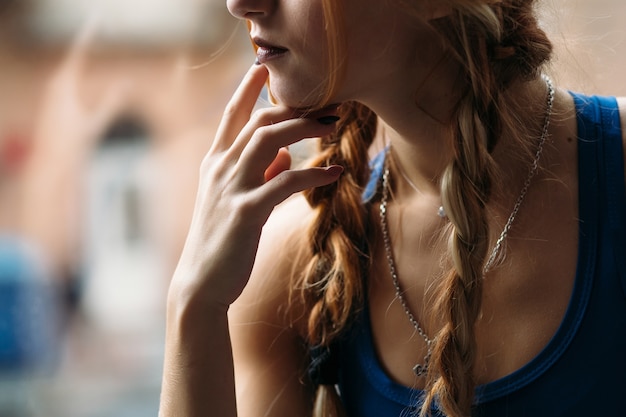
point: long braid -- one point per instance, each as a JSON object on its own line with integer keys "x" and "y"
{"x": 466, "y": 186}
{"x": 333, "y": 278}
{"x": 500, "y": 46}
{"x": 332, "y": 286}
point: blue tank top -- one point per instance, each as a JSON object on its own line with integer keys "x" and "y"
{"x": 582, "y": 370}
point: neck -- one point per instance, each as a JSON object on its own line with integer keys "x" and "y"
{"x": 421, "y": 139}
{"x": 415, "y": 95}
{"x": 415, "y": 119}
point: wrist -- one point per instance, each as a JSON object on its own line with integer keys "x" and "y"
{"x": 185, "y": 297}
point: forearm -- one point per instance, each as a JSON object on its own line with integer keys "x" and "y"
{"x": 198, "y": 376}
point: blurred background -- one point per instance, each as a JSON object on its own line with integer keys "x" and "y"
{"x": 106, "y": 110}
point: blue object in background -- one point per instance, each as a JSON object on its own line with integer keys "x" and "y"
{"x": 30, "y": 309}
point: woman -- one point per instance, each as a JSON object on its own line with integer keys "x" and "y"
{"x": 474, "y": 269}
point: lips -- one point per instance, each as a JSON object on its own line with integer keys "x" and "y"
{"x": 267, "y": 51}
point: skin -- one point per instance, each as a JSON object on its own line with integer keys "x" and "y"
{"x": 227, "y": 295}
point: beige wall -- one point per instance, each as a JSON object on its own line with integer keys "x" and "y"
{"x": 590, "y": 40}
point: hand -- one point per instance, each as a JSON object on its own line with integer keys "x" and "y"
{"x": 243, "y": 177}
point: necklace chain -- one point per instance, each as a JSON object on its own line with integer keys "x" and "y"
{"x": 421, "y": 369}
{"x": 531, "y": 173}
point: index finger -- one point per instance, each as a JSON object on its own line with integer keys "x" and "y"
{"x": 239, "y": 108}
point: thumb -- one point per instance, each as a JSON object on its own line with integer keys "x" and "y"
{"x": 281, "y": 163}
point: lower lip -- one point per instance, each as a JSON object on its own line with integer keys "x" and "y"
{"x": 264, "y": 55}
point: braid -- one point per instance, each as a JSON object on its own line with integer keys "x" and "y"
{"x": 332, "y": 286}
{"x": 466, "y": 185}
{"x": 332, "y": 281}
{"x": 498, "y": 44}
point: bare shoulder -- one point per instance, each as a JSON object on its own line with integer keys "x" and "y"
{"x": 268, "y": 352}
{"x": 282, "y": 250}
{"x": 621, "y": 101}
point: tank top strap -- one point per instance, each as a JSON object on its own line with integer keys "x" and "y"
{"x": 601, "y": 164}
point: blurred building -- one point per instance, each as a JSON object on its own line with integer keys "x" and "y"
{"x": 106, "y": 110}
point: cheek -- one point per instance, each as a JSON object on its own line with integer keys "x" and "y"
{"x": 309, "y": 25}
{"x": 301, "y": 81}
{"x": 383, "y": 52}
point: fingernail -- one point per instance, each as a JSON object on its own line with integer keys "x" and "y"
{"x": 334, "y": 170}
{"x": 328, "y": 120}
{"x": 256, "y": 61}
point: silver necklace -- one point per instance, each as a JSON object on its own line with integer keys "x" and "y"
{"x": 421, "y": 369}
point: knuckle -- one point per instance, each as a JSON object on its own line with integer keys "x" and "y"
{"x": 207, "y": 163}
{"x": 212, "y": 166}
{"x": 230, "y": 110}
{"x": 286, "y": 179}
{"x": 261, "y": 135}
{"x": 205, "y": 166}
{"x": 245, "y": 208}
{"x": 263, "y": 117}
{"x": 263, "y": 132}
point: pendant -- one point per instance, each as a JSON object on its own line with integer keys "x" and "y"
{"x": 420, "y": 370}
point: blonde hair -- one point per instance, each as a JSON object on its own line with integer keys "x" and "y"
{"x": 496, "y": 43}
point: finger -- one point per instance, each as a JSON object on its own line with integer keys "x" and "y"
{"x": 290, "y": 182}
{"x": 239, "y": 108}
{"x": 259, "y": 120}
{"x": 277, "y": 114}
{"x": 263, "y": 147}
{"x": 274, "y": 116}
{"x": 281, "y": 163}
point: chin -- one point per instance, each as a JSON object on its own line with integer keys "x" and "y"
{"x": 295, "y": 95}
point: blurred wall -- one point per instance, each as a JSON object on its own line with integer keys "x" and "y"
{"x": 104, "y": 119}
{"x": 590, "y": 43}
{"x": 175, "y": 88}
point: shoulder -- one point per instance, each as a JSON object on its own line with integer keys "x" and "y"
{"x": 281, "y": 253}
{"x": 268, "y": 349}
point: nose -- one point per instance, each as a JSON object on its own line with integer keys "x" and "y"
{"x": 250, "y": 9}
